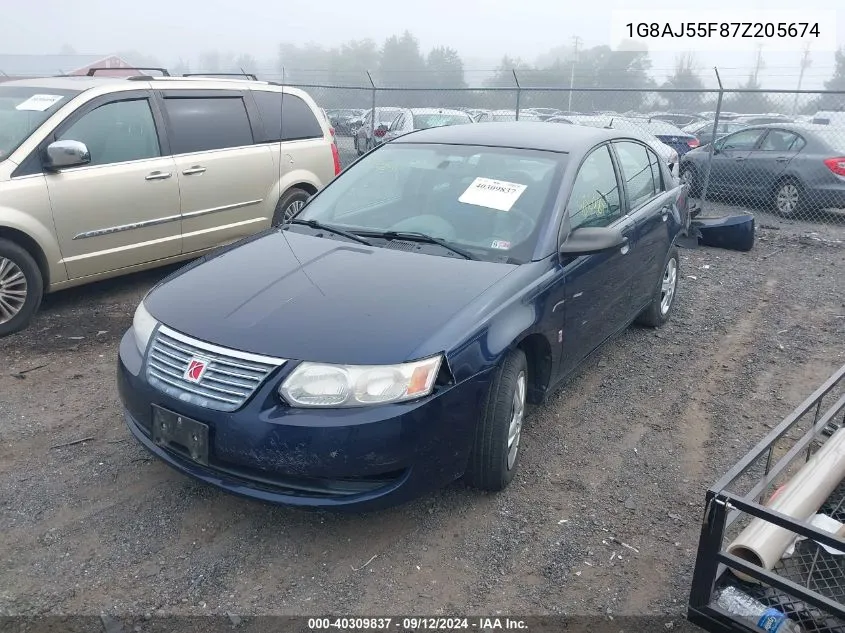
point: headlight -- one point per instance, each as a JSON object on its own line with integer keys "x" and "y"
{"x": 142, "y": 327}
{"x": 323, "y": 385}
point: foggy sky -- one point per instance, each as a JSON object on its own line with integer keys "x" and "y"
{"x": 482, "y": 32}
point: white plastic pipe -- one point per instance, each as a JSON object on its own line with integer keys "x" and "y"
{"x": 763, "y": 543}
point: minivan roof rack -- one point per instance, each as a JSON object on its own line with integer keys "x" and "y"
{"x": 163, "y": 71}
{"x": 241, "y": 74}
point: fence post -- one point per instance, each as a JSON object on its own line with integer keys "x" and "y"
{"x": 373, "y": 111}
{"x": 518, "y": 91}
{"x": 713, "y": 140}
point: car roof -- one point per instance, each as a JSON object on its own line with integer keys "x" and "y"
{"x": 76, "y": 82}
{"x": 571, "y": 139}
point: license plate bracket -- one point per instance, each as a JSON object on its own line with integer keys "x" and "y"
{"x": 178, "y": 433}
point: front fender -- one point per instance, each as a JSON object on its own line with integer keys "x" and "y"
{"x": 38, "y": 228}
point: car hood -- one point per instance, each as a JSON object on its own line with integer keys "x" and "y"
{"x": 296, "y": 296}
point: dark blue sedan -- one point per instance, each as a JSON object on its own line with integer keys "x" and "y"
{"x": 385, "y": 342}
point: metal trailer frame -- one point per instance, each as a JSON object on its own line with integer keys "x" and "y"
{"x": 723, "y": 507}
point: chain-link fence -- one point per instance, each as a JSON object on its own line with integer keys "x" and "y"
{"x": 778, "y": 153}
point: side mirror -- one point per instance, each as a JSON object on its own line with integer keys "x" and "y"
{"x": 62, "y": 154}
{"x": 591, "y": 240}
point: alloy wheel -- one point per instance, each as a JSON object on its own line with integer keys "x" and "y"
{"x": 668, "y": 285}
{"x": 787, "y": 198}
{"x": 292, "y": 209}
{"x": 517, "y": 416}
{"x": 13, "y": 289}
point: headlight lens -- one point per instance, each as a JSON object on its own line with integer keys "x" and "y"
{"x": 142, "y": 327}
{"x": 324, "y": 385}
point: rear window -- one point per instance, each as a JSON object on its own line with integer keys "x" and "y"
{"x": 201, "y": 124}
{"x": 665, "y": 129}
{"x": 425, "y": 121}
{"x": 387, "y": 116}
{"x": 287, "y": 118}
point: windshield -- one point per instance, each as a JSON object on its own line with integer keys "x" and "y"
{"x": 666, "y": 129}
{"x": 491, "y": 202}
{"x": 425, "y": 121}
{"x": 23, "y": 109}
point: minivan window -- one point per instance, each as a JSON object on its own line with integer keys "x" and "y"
{"x": 201, "y": 124}
{"x": 23, "y": 110}
{"x": 287, "y": 118}
{"x": 116, "y": 132}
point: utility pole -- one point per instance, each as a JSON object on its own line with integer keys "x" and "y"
{"x": 805, "y": 63}
{"x": 759, "y": 63}
{"x": 577, "y": 41}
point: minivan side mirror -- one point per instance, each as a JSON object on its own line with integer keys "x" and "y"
{"x": 68, "y": 153}
{"x": 591, "y": 240}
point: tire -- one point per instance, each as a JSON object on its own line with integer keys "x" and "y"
{"x": 658, "y": 311}
{"x": 289, "y": 205}
{"x": 18, "y": 273}
{"x": 494, "y": 458}
{"x": 788, "y": 198}
{"x": 689, "y": 175}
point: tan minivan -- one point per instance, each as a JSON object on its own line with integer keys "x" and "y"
{"x": 104, "y": 176}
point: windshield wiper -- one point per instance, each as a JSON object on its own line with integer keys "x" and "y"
{"x": 414, "y": 236}
{"x": 314, "y": 224}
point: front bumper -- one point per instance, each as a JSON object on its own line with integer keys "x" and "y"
{"x": 361, "y": 459}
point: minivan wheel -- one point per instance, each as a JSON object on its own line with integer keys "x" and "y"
{"x": 495, "y": 453}
{"x": 21, "y": 287}
{"x": 660, "y": 308}
{"x": 289, "y": 205}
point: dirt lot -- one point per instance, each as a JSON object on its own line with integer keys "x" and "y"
{"x": 625, "y": 449}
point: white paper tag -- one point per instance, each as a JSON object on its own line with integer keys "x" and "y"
{"x": 493, "y": 194}
{"x": 39, "y": 103}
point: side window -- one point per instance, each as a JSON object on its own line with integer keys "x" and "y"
{"x": 117, "y": 132}
{"x": 595, "y": 199}
{"x": 637, "y": 172}
{"x": 656, "y": 171}
{"x": 286, "y": 117}
{"x": 744, "y": 140}
{"x": 201, "y": 124}
{"x": 780, "y": 141}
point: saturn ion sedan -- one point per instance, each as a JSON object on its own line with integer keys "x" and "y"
{"x": 386, "y": 340}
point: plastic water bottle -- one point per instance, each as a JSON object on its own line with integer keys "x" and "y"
{"x": 755, "y": 613}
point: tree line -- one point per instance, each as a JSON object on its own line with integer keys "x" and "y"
{"x": 400, "y": 62}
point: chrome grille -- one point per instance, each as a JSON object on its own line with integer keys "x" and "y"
{"x": 229, "y": 379}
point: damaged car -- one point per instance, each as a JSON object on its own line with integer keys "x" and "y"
{"x": 387, "y": 340}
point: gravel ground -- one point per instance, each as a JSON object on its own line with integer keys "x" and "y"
{"x": 625, "y": 449}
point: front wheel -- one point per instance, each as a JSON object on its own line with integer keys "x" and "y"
{"x": 660, "y": 308}
{"x": 495, "y": 452}
{"x": 21, "y": 287}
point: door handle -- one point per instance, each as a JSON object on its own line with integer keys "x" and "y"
{"x": 782, "y": 159}
{"x": 158, "y": 175}
{"x": 739, "y": 158}
{"x": 196, "y": 169}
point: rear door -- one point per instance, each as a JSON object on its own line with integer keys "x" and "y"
{"x": 649, "y": 206}
{"x": 224, "y": 177}
{"x": 767, "y": 163}
{"x": 596, "y": 300}
{"x": 121, "y": 209}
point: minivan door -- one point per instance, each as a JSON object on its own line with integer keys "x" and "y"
{"x": 225, "y": 179}
{"x": 122, "y": 208}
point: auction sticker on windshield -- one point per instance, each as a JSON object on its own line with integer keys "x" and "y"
{"x": 39, "y": 103}
{"x": 493, "y": 194}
